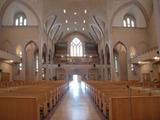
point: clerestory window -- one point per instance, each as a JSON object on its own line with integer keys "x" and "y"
{"x": 20, "y": 20}
{"x": 129, "y": 21}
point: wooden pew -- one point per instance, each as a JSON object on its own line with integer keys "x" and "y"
{"x": 19, "y": 108}
{"x": 102, "y": 92}
{"x": 44, "y": 94}
{"x": 134, "y": 108}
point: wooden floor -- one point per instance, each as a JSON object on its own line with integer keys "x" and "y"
{"x": 76, "y": 105}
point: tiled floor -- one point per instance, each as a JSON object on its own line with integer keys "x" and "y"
{"x": 76, "y": 105}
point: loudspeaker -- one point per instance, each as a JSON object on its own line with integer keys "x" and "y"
{"x": 94, "y": 65}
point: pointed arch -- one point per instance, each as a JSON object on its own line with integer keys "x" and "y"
{"x": 31, "y": 60}
{"x": 9, "y": 2}
{"x": 120, "y": 61}
{"x": 102, "y": 57}
{"x": 76, "y": 48}
{"x": 136, "y": 3}
{"x": 50, "y": 56}
{"x": 31, "y": 42}
{"x": 121, "y": 43}
{"x": 107, "y": 54}
{"x": 44, "y": 53}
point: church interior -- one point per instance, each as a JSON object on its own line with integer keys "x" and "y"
{"x": 79, "y": 59}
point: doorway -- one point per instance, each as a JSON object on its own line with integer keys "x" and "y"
{"x": 77, "y": 85}
{"x": 75, "y": 78}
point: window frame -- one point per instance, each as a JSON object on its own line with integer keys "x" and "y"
{"x": 116, "y": 63}
{"x": 129, "y": 21}
{"x": 76, "y": 49}
{"x": 18, "y": 17}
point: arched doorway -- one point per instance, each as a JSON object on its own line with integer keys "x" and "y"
{"x": 44, "y": 54}
{"x": 107, "y": 54}
{"x": 31, "y": 51}
{"x": 108, "y": 69}
{"x": 50, "y": 57}
{"x": 102, "y": 57}
{"x": 120, "y": 61}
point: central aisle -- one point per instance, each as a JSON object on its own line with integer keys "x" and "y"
{"x": 76, "y": 105}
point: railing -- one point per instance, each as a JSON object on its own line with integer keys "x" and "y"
{"x": 80, "y": 66}
{"x": 147, "y": 55}
{"x": 77, "y": 60}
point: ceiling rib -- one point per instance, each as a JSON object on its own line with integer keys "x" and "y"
{"x": 61, "y": 35}
{"x": 95, "y": 19}
{"x": 53, "y": 22}
{"x": 92, "y": 37}
{"x": 94, "y": 32}
{"x": 57, "y": 30}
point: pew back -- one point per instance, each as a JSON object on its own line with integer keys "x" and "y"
{"x": 134, "y": 108}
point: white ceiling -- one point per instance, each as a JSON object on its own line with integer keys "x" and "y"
{"x": 75, "y": 15}
{"x": 94, "y": 26}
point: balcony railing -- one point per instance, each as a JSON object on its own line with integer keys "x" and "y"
{"x": 146, "y": 56}
{"x": 9, "y": 56}
{"x": 76, "y": 60}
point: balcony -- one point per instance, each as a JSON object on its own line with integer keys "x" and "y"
{"x": 150, "y": 55}
{"x": 8, "y": 57}
{"x": 91, "y": 59}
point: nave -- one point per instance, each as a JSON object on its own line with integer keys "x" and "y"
{"x": 76, "y": 105}
{"x": 77, "y": 100}
{"x": 113, "y": 46}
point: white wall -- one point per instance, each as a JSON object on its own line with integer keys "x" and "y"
{"x": 14, "y": 8}
{"x": 132, "y": 10}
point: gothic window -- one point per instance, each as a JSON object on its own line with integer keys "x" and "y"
{"x": 116, "y": 64}
{"x": 37, "y": 61}
{"x": 76, "y": 48}
{"x": 129, "y": 21}
{"x": 20, "y": 19}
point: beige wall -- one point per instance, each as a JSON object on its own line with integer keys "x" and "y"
{"x": 132, "y": 38}
{"x": 13, "y": 39}
{"x": 9, "y": 15}
{"x": 152, "y": 33}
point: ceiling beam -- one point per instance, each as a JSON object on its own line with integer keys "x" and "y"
{"x": 94, "y": 31}
{"x": 61, "y": 35}
{"x": 53, "y": 22}
{"x": 57, "y": 30}
{"x": 95, "y": 19}
{"x": 92, "y": 37}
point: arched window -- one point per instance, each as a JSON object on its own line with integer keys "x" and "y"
{"x": 20, "y": 19}
{"x": 116, "y": 63}
{"x": 76, "y": 48}
{"x": 37, "y": 61}
{"x": 129, "y": 21}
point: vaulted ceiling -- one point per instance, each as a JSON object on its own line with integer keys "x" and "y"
{"x": 62, "y": 17}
